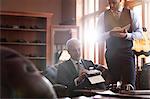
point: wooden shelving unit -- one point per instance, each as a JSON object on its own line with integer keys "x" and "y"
{"x": 30, "y": 34}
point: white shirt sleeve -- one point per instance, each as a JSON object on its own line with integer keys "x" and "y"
{"x": 100, "y": 28}
{"x": 137, "y": 28}
{"x": 75, "y": 81}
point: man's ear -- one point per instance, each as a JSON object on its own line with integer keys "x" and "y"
{"x": 68, "y": 51}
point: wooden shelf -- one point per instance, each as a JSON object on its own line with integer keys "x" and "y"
{"x": 20, "y": 29}
{"x": 30, "y": 44}
{"x": 36, "y": 58}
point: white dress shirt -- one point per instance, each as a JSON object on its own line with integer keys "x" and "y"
{"x": 75, "y": 64}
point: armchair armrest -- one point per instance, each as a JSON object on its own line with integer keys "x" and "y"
{"x": 61, "y": 90}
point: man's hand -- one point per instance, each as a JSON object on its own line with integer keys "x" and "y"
{"x": 120, "y": 34}
{"x": 82, "y": 75}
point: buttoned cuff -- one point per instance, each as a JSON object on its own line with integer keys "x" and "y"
{"x": 75, "y": 81}
{"x": 129, "y": 36}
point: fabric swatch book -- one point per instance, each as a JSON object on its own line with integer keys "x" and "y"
{"x": 127, "y": 27}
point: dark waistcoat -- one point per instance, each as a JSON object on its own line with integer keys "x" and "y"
{"x": 115, "y": 43}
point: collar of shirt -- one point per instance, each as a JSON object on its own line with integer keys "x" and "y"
{"x": 75, "y": 63}
{"x": 116, "y": 13}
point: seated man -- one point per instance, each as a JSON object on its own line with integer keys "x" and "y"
{"x": 21, "y": 79}
{"x": 73, "y": 72}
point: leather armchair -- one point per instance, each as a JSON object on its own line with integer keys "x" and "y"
{"x": 51, "y": 74}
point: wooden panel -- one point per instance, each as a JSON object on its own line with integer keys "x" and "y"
{"x": 68, "y": 12}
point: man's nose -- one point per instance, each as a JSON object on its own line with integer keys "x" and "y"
{"x": 77, "y": 52}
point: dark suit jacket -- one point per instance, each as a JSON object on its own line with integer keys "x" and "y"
{"x": 67, "y": 73}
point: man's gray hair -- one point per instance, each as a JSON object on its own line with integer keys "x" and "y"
{"x": 71, "y": 42}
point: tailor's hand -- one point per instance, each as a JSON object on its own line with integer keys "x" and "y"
{"x": 120, "y": 34}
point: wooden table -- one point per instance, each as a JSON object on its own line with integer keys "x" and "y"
{"x": 136, "y": 94}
